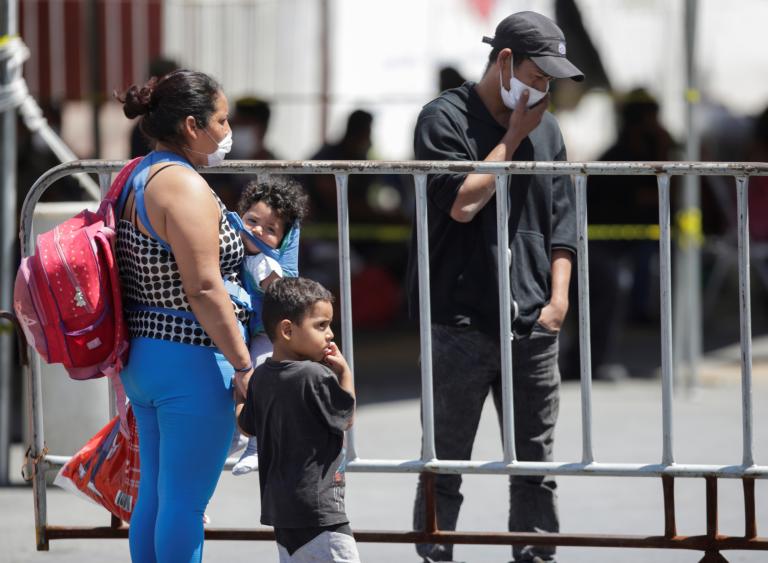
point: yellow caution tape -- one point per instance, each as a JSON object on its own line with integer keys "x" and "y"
{"x": 624, "y": 232}
{"x": 379, "y": 233}
{"x": 689, "y": 228}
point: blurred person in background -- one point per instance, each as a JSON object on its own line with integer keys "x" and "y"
{"x": 449, "y": 77}
{"x": 321, "y": 188}
{"x": 374, "y": 200}
{"x": 616, "y": 263}
{"x": 250, "y": 123}
{"x": 758, "y": 185}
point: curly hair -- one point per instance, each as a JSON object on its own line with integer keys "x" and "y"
{"x": 292, "y": 299}
{"x": 285, "y": 196}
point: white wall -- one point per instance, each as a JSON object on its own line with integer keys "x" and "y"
{"x": 266, "y": 48}
{"x": 385, "y": 58}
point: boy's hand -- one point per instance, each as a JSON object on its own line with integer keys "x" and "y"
{"x": 334, "y": 360}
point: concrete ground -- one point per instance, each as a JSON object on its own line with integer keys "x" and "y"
{"x": 627, "y": 428}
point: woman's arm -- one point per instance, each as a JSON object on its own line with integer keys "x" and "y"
{"x": 183, "y": 212}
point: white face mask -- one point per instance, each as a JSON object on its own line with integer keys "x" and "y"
{"x": 216, "y": 157}
{"x": 225, "y": 145}
{"x": 516, "y": 88}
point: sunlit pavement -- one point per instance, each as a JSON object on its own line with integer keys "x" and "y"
{"x": 627, "y": 428}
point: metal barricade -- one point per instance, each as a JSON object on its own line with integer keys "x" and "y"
{"x": 667, "y": 469}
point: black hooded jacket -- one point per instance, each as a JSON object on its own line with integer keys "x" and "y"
{"x": 463, "y": 256}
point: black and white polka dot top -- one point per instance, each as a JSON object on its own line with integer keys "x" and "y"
{"x": 155, "y": 304}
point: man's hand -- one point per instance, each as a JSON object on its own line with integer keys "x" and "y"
{"x": 552, "y": 316}
{"x": 478, "y": 189}
{"x": 523, "y": 119}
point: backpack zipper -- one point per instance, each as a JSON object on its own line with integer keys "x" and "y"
{"x": 79, "y": 299}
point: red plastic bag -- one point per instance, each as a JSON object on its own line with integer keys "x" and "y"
{"x": 106, "y": 469}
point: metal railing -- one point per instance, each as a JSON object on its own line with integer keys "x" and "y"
{"x": 666, "y": 468}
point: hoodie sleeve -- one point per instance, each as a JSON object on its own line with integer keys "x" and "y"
{"x": 563, "y": 210}
{"x": 437, "y": 138}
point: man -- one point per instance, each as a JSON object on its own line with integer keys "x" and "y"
{"x": 250, "y": 124}
{"x": 354, "y": 145}
{"x": 497, "y": 120}
{"x": 622, "y": 200}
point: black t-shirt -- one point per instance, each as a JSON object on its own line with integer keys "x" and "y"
{"x": 298, "y": 413}
{"x": 463, "y": 259}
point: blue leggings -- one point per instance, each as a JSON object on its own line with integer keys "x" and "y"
{"x": 184, "y": 415}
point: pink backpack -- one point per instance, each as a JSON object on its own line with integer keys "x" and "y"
{"x": 67, "y": 294}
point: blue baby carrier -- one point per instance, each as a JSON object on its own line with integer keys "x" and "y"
{"x": 287, "y": 255}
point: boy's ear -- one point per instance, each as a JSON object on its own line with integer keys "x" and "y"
{"x": 285, "y": 329}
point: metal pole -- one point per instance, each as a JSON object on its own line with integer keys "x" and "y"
{"x": 105, "y": 179}
{"x": 691, "y": 212}
{"x": 425, "y": 322}
{"x": 505, "y": 320}
{"x": 585, "y": 350}
{"x": 325, "y": 66}
{"x": 9, "y": 28}
{"x": 745, "y": 314}
{"x": 345, "y": 279}
{"x": 665, "y": 267}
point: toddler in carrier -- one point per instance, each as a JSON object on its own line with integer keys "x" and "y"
{"x": 270, "y": 215}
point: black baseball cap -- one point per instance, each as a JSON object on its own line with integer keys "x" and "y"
{"x": 539, "y": 38}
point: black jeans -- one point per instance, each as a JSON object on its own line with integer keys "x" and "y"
{"x": 466, "y": 366}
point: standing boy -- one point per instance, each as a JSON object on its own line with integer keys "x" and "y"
{"x": 298, "y": 405}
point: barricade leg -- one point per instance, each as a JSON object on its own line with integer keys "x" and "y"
{"x": 430, "y": 507}
{"x": 750, "y": 522}
{"x": 33, "y": 468}
{"x": 712, "y": 555}
{"x": 670, "y": 525}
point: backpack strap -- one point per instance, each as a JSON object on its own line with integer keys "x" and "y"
{"x": 116, "y": 193}
{"x": 141, "y": 180}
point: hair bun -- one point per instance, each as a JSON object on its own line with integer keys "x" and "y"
{"x": 138, "y": 101}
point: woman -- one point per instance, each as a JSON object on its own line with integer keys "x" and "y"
{"x": 174, "y": 249}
